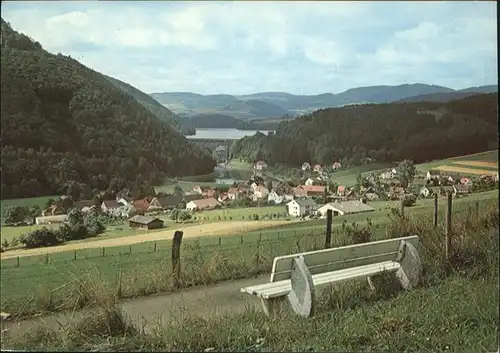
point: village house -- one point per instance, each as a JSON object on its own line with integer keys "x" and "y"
{"x": 372, "y": 196}
{"x": 84, "y": 205}
{"x": 260, "y": 165}
{"x": 191, "y": 197}
{"x": 274, "y": 197}
{"x": 388, "y": 175}
{"x": 395, "y": 192}
{"x": 318, "y": 168}
{"x": 53, "y": 210}
{"x": 432, "y": 174}
{"x": 203, "y": 204}
{"x": 201, "y": 189}
{"x": 223, "y": 198}
{"x": 308, "y": 190}
{"x": 302, "y": 207}
{"x": 110, "y": 206}
{"x": 145, "y": 222}
{"x": 336, "y": 165}
{"x": 343, "y": 208}
{"x": 125, "y": 200}
{"x": 306, "y": 166}
{"x": 466, "y": 181}
{"x": 164, "y": 203}
{"x": 341, "y": 190}
{"x": 314, "y": 181}
{"x": 233, "y": 193}
{"x": 260, "y": 192}
{"x": 141, "y": 205}
{"x": 426, "y": 191}
{"x": 461, "y": 189}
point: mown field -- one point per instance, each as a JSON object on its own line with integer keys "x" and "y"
{"x": 490, "y": 156}
{"x": 41, "y": 282}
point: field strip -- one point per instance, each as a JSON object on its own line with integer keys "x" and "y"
{"x": 478, "y": 164}
{"x": 449, "y": 168}
{"x": 471, "y": 155}
{"x": 211, "y": 229}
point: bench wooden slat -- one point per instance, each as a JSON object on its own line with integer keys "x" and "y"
{"x": 282, "y": 288}
{"x": 329, "y": 260}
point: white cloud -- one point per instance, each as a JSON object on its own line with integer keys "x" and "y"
{"x": 256, "y": 46}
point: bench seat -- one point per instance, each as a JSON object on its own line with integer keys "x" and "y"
{"x": 282, "y": 288}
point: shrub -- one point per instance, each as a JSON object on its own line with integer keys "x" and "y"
{"x": 41, "y": 237}
{"x": 409, "y": 201}
{"x": 5, "y": 244}
{"x": 255, "y": 217}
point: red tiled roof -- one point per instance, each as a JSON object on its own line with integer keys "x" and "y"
{"x": 206, "y": 202}
{"x": 141, "y": 204}
{"x": 341, "y": 188}
{"x": 314, "y": 188}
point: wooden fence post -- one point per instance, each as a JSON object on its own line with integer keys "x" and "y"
{"x": 241, "y": 239}
{"x": 103, "y": 251}
{"x": 74, "y": 255}
{"x": 328, "y": 238}
{"x": 18, "y": 261}
{"x": 119, "y": 291}
{"x": 435, "y": 210}
{"x": 448, "y": 225}
{"x": 260, "y": 236}
{"x": 220, "y": 240}
{"x": 154, "y": 249}
{"x": 130, "y": 249}
{"x": 176, "y": 254}
{"x": 46, "y": 258}
{"x": 477, "y": 207}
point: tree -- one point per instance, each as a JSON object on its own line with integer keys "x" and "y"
{"x": 359, "y": 182}
{"x": 174, "y": 214}
{"x": 16, "y": 214}
{"x": 406, "y": 172}
{"x": 178, "y": 191}
{"x": 269, "y": 184}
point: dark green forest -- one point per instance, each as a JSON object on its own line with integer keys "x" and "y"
{"x": 384, "y": 132}
{"x": 62, "y": 122}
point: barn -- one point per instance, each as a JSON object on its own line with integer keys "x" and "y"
{"x": 51, "y": 219}
{"x": 343, "y": 208}
{"x": 145, "y": 222}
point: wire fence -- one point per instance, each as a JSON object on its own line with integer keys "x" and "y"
{"x": 146, "y": 268}
{"x": 151, "y": 250}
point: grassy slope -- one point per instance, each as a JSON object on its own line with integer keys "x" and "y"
{"x": 144, "y": 273}
{"x": 450, "y": 311}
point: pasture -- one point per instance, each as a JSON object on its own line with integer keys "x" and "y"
{"x": 144, "y": 268}
{"x": 489, "y": 158}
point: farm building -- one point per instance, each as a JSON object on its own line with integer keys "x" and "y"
{"x": 164, "y": 202}
{"x": 51, "y": 219}
{"x": 302, "y": 207}
{"x": 343, "y": 208}
{"x": 108, "y": 206}
{"x": 274, "y": 197}
{"x": 145, "y": 222}
{"x": 141, "y": 205}
{"x": 84, "y": 205}
{"x": 204, "y": 204}
{"x": 306, "y": 166}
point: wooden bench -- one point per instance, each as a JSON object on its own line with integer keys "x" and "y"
{"x": 295, "y": 277}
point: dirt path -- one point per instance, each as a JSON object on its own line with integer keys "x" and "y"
{"x": 151, "y": 311}
{"x": 209, "y": 229}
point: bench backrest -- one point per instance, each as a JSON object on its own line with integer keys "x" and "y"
{"x": 327, "y": 260}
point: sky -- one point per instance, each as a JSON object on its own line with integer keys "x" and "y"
{"x": 246, "y": 47}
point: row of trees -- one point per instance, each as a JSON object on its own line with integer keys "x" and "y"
{"x": 383, "y": 132}
{"x": 78, "y": 226}
{"x": 63, "y": 122}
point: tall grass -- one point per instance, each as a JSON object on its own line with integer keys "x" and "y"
{"x": 455, "y": 308}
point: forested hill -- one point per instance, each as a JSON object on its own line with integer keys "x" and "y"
{"x": 62, "y": 122}
{"x": 385, "y": 132}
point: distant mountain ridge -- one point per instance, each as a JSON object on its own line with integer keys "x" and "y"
{"x": 277, "y": 104}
